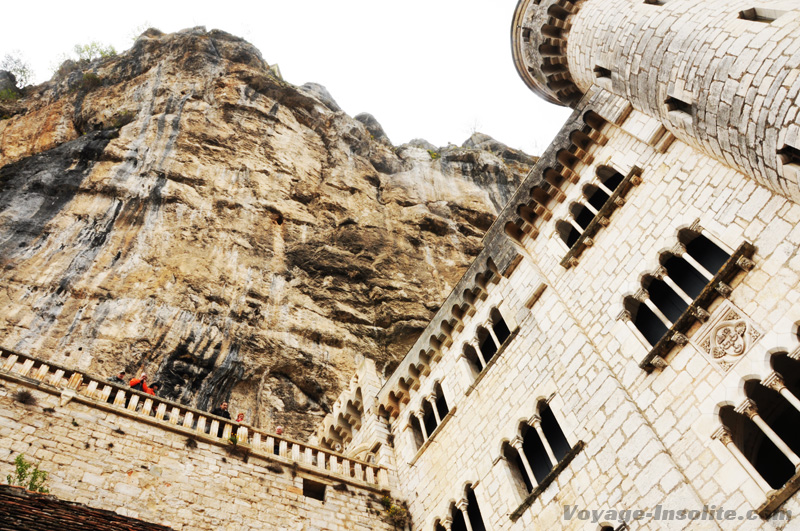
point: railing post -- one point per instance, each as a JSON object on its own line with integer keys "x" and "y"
{"x": 283, "y": 449}
{"x": 120, "y": 398}
{"x": 147, "y": 408}
{"x": 106, "y": 393}
{"x": 295, "y": 452}
{"x": 175, "y": 415}
{"x": 188, "y": 419}
{"x": 214, "y": 429}
{"x": 133, "y": 402}
{"x": 10, "y": 362}
{"x": 161, "y": 410}
{"x": 41, "y": 374}
{"x": 75, "y": 381}
{"x": 256, "y": 440}
{"x": 55, "y": 380}
{"x": 201, "y": 424}
{"x": 241, "y": 435}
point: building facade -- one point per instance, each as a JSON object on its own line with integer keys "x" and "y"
{"x": 624, "y": 350}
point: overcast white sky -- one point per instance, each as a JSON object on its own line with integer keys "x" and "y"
{"x": 433, "y": 69}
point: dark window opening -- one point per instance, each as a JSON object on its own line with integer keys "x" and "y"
{"x": 487, "y": 345}
{"x": 535, "y": 452}
{"x": 789, "y": 154}
{"x": 428, "y": 417}
{"x": 526, "y": 34}
{"x": 600, "y": 72}
{"x": 499, "y": 326}
{"x": 674, "y": 104}
{"x": 441, "y": 402}
{"x": 458, "y": 520}
{"x": 474, "y": 512}
{"x": 312, "y": 489}
{"x": 789, "y": 369}
{"x": 517, "y": 468}
{"x": 666, "y": 299}
{"x": 553, "y": 433}
{"x": 610, "y": 177}
{"x": 777, "y": 412}
{"x": 473, "y": 359}
{"x": 583, "y": 216}
{"x": 596, "y": 196}
{"x": 416, "y": 429}
{"x": 759, "y": 14}
{"x": 684, "y": 275}
{"x": 655, "y": 2}
{"x": 569, "y": 234}
{"x": 648, "y": 324}
{"x": 768, "y": 460}
{"x": 707, "y": 253}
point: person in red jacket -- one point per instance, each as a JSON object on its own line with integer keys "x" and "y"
{"x": 140, "y": 383}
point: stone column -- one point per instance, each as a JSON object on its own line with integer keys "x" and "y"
{"x": 462, "y": 505}
{"x": 680, "y": 251}
{"x": 661, "y": 274}
{"x": 749, "y": 409}
{"x": 477, "y": 347}
{"x": 421, "y": 419}
{"x": 488, "y": 326}
{"x": 775, "y": 382}
{"x": 536, "y": 422}
{"x": 517, "y": 445}
{"x": 432, "y": 402}
{"x": 447, "y": 523}
{"x": 644, "y": 297}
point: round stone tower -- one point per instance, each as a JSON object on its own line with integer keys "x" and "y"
{"x": 722, "y": 75}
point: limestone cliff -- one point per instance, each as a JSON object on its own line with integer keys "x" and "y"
{"x": 179, "y": 209}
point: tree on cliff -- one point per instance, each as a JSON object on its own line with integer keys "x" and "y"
{"x": 14, "y": 63}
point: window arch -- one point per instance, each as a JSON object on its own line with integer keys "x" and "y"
{"x": 763, "y": 429}
{"x": 432, "y": 411}
{"x": 600, "y": 198}
{"x": 538, "y": 448}
{"x": 465, "y": 514}
{"x": 690, "y": 276}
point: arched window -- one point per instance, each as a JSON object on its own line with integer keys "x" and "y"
{"x": 664, "y": 297}
{"x": 596, "y": 196}
{"x": 766, "y": 458}
{"x": 475, "y": 363}
{"x": 486, "y": 343}
{"x": 520, "y": 477}
{"x": 610, "y": 177}
{"x": 539, "y": 446}
{"x": 650, "y": 326}
{"x": 583, "y": 216}
{"x": 684, "y": 278}
{"x": 474, "y": 511}
{"x": 441, "y": 401}
{"x": 552, "y": 431}
{"x": 428, "y": 417}
{"x": 567, "y": 233}
{"x": 499, "y": 326}
{"x": 416, "y": 430}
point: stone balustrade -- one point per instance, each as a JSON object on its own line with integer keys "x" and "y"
{"x": 73, "y": 384}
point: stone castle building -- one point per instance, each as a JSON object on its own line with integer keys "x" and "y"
{"x": 623, "y": 353}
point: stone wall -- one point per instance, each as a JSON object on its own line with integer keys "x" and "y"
{"x": 642, "y": 436}
{"x": 106, "y": 458}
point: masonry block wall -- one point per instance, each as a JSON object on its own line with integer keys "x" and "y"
{"x": 668, "y": 110}
{"x": 139, "y": 469}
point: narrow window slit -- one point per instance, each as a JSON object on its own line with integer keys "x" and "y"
{"x": 600, "y": 72}
{"x": 760, "y": 14}
{"x": 674, "y": 104}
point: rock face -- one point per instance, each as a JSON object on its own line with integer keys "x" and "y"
{"x": 179, "y": 209}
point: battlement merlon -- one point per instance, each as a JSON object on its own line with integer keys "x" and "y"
{"x": 721, "y": 76}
